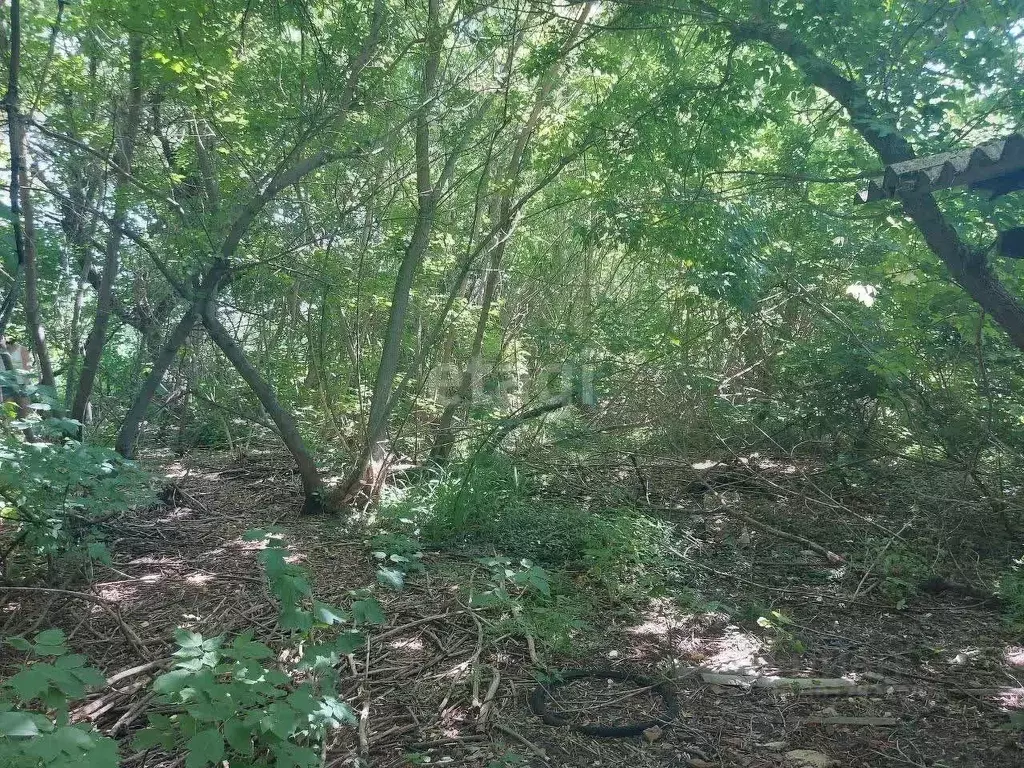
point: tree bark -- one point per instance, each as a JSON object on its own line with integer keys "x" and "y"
{"x": 969, "y": 269}
{"x": 124, "y": 154}
{"x": 312, "y": 485}
{"x": 14, "y": 137}
{"x": 33, "y": 322}
{"x": 381, "y": 401}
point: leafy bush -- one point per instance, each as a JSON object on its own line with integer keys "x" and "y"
{"x": 902, "y": 569}
{"x": 52, "y": 494}
{"x": 35, "y": 731}
{"x": 232, "y": 700}
{"x": 231, "y": 705}
{"x": 554, "y": 564}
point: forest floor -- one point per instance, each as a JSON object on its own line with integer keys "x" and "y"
{"x": 939, "y": 678}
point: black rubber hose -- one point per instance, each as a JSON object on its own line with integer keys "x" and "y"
{"x": 541, "y": 696}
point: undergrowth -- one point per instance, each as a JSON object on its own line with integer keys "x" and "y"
{"x": 594, "y": 561}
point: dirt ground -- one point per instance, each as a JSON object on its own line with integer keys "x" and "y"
{"x": 935, "y": 682}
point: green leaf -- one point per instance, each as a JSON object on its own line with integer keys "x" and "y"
{"x": 327, "y": 614}
{"x": 205, "y": 748}
{"x": 172, "y": 682}
{"x": 336, "y": 713}
{"x": 279, "y": 720}
{"x": 349, "y": 642}
{"x": 392, "y": 578}
{"x": 290, "y": 755}
{"x": 89, "y": 676}
{"x": 487, "y": 599}
{"x": 187, "y": 640}
{"x": 367, "y": 611}
{"x": 19, "y": 643}
{"x": 148, "y": 738}
{"x": 50, "y": 642}
{"x": 295, "y": 618}
{"x": 74, "y": 661}
{"x": 18, "y": 724}
{"x": 243, "y": 647}
{"x": 238, "y": 736}
{"x": 97, "y": 550}
{"x": 30, "y": 682}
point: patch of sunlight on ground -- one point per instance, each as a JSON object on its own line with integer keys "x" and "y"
{"x": 117, "y": 594}
{"x": 452, "y": 720}
{"x": 407, "y": 644}
{"x": 1010, "y": 698}
{"x": 738, "y": 650}
{"x": 178, "y": 513}
{"x": 147, "y": 560}
{"x": 1014, "y": 655}
{"x": 660, "y": 618}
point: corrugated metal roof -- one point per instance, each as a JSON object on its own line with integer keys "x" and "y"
{"x": 993, "y": 168}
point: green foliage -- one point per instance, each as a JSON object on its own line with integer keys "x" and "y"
{"x": 506, "y": 584}
{"x": 235, "y": 701}
{"x": 557, "y": 565}
{"x": 784, "y": 639}
{"x": 35, "y": 731}
{"x": 228, "y": 700}
{"x": 51, "y": 493}
{"x": 1011, "y": 591}
{"x": 397, "y": 555}
{"x": 901, "y": 569}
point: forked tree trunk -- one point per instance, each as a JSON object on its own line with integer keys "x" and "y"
{"x": 128, "y": 435}
{"x": 285, "y": 176}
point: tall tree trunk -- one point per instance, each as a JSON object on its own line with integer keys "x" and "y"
{"x": 969, "y": 269}
{"x": 124, "y": 154}
{"x": 312, "y": 485}
{"x": 14, "y": 137}
{"x": 33, "y": 322}
{"x": 75, "y": 334}
{"x": 381, "y": 402}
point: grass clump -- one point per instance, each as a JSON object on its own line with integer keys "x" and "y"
{"x": 496, "y": 517}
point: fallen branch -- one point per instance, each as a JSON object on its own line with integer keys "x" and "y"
{"x": 109, "y": 607}
{"x": 843, "y": 720}
{"x": 774, "y": 682}
{"x": 805, "y": 686}
{"x": 828, "y": 554}
{"x": 131, "y": 672}
{"x": 515, "y": 735}
{"x": 488, "y": 704}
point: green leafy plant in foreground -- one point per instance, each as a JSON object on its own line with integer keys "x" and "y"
{"x": 52, "y": 493}
{"x": 234, "y": 701}
{"x": 507, "y": 582}
{"x": 35, "y": 727}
